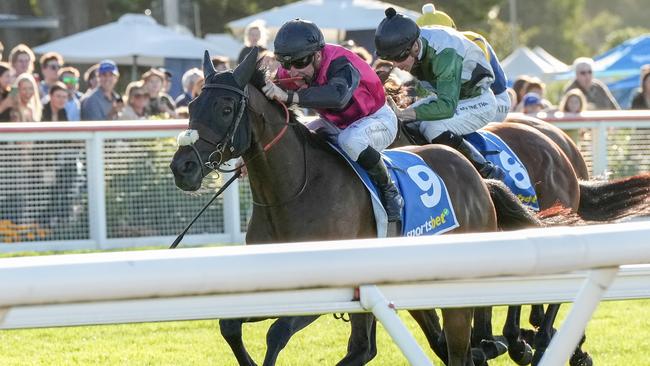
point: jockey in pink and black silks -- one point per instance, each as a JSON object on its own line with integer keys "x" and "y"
{"x": 346, "y": 93}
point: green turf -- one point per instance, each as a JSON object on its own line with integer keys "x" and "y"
{"x": 618, "y": 335}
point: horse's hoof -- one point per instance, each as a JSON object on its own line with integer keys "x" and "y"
{"x": 528, "y": 335}
{"x": 521, "y": 353}
{"x": 582, "y": 359}
{"x": 493, "y": 349}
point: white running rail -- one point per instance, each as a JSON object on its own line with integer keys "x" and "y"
{"x": 526, "y": 266}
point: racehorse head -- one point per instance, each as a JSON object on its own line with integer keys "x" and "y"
{"x": 219, "y": 126}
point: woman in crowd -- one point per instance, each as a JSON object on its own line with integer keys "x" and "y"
{"x": 159, "y": 102}
{"x": 136, "y": 103}
{"x": 54, "y": 109}
{"x": 27, "y": 104}
{"x": 574, "y": 101}
{"x": 255, "y": 35}
{"x": 5, "y": 88}
{"x": 641, "y": 99}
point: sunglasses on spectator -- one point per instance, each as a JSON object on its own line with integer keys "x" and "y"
{"x": 585, "y": 72}
{"x": 53, "y": 66}
{"x": 140, "y": 95}
{"x": 69, "y": 79}
{"x": 300, "y": 63}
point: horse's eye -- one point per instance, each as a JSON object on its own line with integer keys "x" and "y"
{"x": 227, "y": 110}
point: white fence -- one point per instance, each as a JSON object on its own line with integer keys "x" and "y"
{"x": 321, "y": 277}
{"x": 93, "y": 185}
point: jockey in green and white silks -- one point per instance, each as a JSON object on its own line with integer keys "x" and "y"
{"x": 455, "y": 74}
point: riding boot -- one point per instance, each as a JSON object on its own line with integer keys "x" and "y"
{"x": 370, "y": 160}
{"x": 484, "y": 167}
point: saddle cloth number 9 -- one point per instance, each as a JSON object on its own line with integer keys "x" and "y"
{"x": 428, "y": 182}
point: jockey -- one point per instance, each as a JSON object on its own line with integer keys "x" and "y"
{"x": 348, "y": 96}
{"x": 455, "y": 74}
{"x": 431, "y": 16}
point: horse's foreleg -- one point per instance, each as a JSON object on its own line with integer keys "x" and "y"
{"x": 231, "y": 330}
{"x": 580, "y": 357}
{"x": 362, "y": 346}
{"x": 518, "y": 350}
{"x": 430, "y": 324}
{"x": 482, "y": 335}
{"x": 280, "y": 332}
{"x": 457, "y": 325}
{"x": 536, "y": 315}
{"x": 545, "y": 332}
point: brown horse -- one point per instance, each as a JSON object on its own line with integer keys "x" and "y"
{"x": 559, "y": 137}
{"x": 302, "y": 191}
{"x": 555, "y": 182}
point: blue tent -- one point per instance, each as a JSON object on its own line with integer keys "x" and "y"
{"x": 623, "y": 90}
{"x": 625, "y": 59}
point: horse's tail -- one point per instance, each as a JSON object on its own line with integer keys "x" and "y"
{"x": 514, "y": 215}
{"x": 610, "y": 200}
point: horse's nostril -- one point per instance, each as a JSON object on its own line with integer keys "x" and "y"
{"x": 188, "y": 166}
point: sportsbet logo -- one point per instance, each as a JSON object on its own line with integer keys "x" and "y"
{"x": 431, "y": 224}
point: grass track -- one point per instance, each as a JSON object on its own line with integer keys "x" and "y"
{"x": 619, "y": 334}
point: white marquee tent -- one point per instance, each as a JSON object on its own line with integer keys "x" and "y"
{"x": 523, "y": 61}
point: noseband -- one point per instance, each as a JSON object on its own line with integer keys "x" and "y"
{"x": 190, "y": 136}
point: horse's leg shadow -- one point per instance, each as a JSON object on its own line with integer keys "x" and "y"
{"x": 362, "y": 346}
{"x": 518, "y": 349}
{"x": 280, "y": 332}
{"x": 231, "y": 330}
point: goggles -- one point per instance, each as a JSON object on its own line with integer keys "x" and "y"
{"x": 300, "y": 63}
{"x": 400, "y": 56}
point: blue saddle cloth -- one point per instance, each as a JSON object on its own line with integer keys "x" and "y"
{"x": 427, "y": 206}
{"x": 497, "y": 151}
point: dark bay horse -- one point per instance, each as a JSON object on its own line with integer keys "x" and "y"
{"x": 304, "y": 191}
{"x": 554, "y": 177}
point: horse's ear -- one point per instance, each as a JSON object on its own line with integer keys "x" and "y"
{"x": 208, "y": 67}
{"x": 244, "y": 71}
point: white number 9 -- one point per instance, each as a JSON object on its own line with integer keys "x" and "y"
{"x": 426, "y": 180}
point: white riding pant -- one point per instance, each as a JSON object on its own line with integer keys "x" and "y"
{"x": 503, "y": 106}
{"x": 471, "y": 114}
{"x": 377, "y": 130}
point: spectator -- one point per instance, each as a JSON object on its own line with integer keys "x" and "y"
{"x": 22, "y": 59}
{"x": 597, "y": 94}
{"x": 641, "y": 99}
{"x": 255, "y": 35}
{"x": 197, "y": 87}
{"x": 532, "y": 103}
{"x": 54, "y": 109}
{"x": 167, "y": 82}
{"x": 136, "y": 102}
{"x": 189, "y": 78}
{"x": 90, "y": 78}
{"x": 5, "y": 89}
{"x": 221, "y": 63}
{"x": 519, "y": 86}
{"x": 103, "y": 103}
{"x": 70, "y": 77}
{"x": 160, "y": 103}
{"x": 27, "y": 104}
{"x": 574, "y": 101}
{"x": 535, "y": 85}
{"x": 50, "y": 62}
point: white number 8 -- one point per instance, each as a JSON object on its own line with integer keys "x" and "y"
{"x": 426, "y": 180}
{"x": 515, "y": 170}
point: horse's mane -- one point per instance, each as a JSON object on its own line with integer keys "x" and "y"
{"x": 258, "y": 80}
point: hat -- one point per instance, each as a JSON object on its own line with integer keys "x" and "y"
{"x": 167, "y": 73}
{"x": 532, "y": 99}
{"x": 107, "y": 66}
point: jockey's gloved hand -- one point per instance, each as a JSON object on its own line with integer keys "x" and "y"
{"x": 273, "y": 91}
{"x": 403, "y": 115}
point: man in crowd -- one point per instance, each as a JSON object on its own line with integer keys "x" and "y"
{"x": 50, "y": 63}
{"x": 597, "y": 93}
{"x": 103, "y": 103}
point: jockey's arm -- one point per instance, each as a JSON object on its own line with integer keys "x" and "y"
{"x": 343, "y": 79}
{"x": 447, "y": 66}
